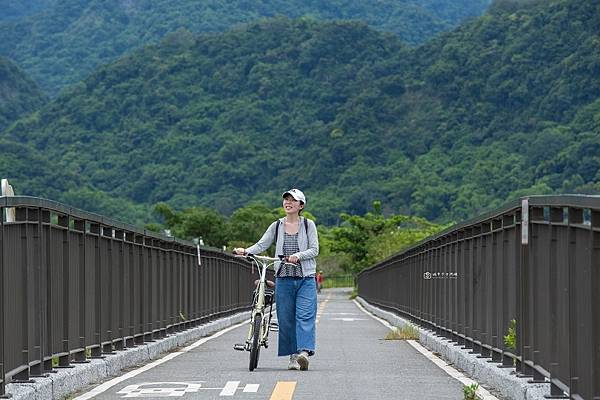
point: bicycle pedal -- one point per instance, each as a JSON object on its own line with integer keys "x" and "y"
{"x": 273, "y": 327}
{"x": 239, "y": 347}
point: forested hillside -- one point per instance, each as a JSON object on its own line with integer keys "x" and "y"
{"x": 19, "y": 95}
{"x": 218, "y": 119}
{"x": 506, "y": 104}
{"x": 11, "y": 9}
{"x": 66, "y": 40}
{"x": 31, "y": 173}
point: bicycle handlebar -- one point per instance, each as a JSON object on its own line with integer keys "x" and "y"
{"x": 265, "y": 258}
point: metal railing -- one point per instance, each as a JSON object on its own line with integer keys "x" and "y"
{"x": 76, "y": 285}
{"x": 535, "y": 261}
{"x": 338, "y": 281}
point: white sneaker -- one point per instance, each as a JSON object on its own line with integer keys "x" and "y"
{"x": 293, "y": 365}
{"x": 302, "y": 359}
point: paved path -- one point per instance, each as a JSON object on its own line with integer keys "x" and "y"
{"x": 352, "y": 362}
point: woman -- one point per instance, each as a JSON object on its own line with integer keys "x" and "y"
{"x": 295, "y": 289}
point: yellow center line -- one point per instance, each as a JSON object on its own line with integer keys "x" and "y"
{"x": 321, "y": 308}
{"x": 283, "y": 391}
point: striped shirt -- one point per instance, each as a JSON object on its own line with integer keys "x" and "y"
{"x": 290, "y": 246}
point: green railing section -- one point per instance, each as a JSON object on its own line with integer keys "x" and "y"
{"x": 338, "y": 281}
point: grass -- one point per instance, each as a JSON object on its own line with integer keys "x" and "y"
{"x": 470, "y": 391}
{"x": 407, "y": 332}
{"x": 510, "y": 340}
{"x": 354, "y": 294}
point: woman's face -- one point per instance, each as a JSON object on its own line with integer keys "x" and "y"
{"x": 291, "y": 206}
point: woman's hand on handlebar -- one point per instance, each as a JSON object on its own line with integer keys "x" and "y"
{"x": 240, "y": 251}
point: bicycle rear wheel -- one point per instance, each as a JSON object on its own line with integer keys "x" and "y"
{"x": 255, "y": 349}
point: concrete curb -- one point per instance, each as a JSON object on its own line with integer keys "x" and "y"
{"x": 66, "y": 381}
{"x": 501, "y": 380}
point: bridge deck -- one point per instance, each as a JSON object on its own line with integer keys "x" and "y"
{"x": 352, "y": 362}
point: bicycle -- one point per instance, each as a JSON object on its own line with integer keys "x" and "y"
{"x": 260, "y": 321}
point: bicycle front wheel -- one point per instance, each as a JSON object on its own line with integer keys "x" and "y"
{"x": 255, "y": 349}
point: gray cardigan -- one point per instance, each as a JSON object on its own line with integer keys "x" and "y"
{"x": 309, "y": 245}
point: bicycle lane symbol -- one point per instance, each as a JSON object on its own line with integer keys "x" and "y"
{"x": 180, "y": 389}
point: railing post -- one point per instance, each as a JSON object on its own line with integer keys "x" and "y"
{"x": 539, "y": 288}
{"x": 23, "y": 376}
{"x": 2, "y": 310}
{"x": 496, "y": 265}
{"x": 523, "y": 298}
{"x": 139, "y": 240}
{"x": 571, "y": 285}
{"x": 130, "y": 238}
{"x": 80, "y": 226}
{"x": 149, "y": 269}
{"x": 469, "y": 272}
{"x": 460, "y": 288}
{"x": 120, "y": 241}
{"x": 108, "y": 266}
{"x": 45, "y": 295}
{"x": 172, "y": 308}
{"x": 484, "y": 303}
{"x": 595, "y": 288}
{"x": 507, "y": 222}
{"x": 555, "y": 249}
{"x": 95, "y": 229}
{"x": 177, "y": 288}
{"x": 64, "y": 361}
{"x": 164, "y": 270}
{"x": 41, "y": 293}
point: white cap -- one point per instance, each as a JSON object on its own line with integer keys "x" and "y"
{"x": 296, "y": 194}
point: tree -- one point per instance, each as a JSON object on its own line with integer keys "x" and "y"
{"x": 195, "y": 222}
{"x": 247, "y": 224}
{"x": 373, "y": 237}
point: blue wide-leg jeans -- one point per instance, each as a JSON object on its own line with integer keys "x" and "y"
{"x": 296, "y": 313}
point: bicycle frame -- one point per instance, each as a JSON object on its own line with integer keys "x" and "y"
{"x": 260, "y": 321}
{"x": 263, "y": 263}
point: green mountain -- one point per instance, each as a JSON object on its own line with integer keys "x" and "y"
{"x": 504, "y": 105}
{"x": 19, "y": 95}
{"x": 68, "y": 39}
{"x": 513, "y": 102}
{"x": 219, "y": 117}
{"x": 31, "y": 173}
{"x": 10, "y": 9}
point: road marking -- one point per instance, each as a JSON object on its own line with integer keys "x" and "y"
{"x": 251, "y": 388}
{"x": 340, "y": 313}
{"x": 321, "y": 308}
{"x": 179, "y": 389}
{"x": 230, "y": 388}
{"x": 149, "y": 389}
{"x": 348, "y": 319}
{"x": 107, "y": 385}
{"x": 283, "y": 391}
{"x": 481, "y": 392}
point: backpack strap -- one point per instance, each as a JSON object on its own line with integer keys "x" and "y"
{"x": 277, "y": 228}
